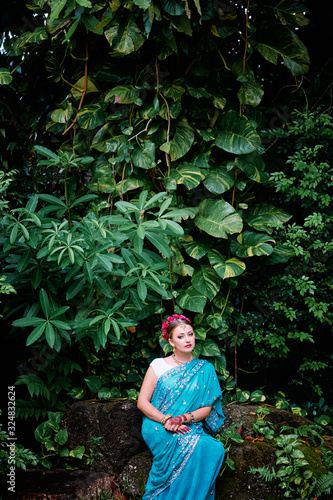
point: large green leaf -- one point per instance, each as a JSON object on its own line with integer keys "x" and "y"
{"x": 265, "y": 217}
{"x": 253, "y": 166}
{"x": 159, "y": 243}
{"x": 226, "y": 268}
{"x": 187, "y": 174}
{"x": 62, "y": 115}
{"x": 236, "y": 134}
{"x": 218, "y": 218}
{"x": 250, "y": 93}
{"x": 249, "y": 244}
{"x": 290, "y": 12}
{"x": 197, "y": 248}
{"x": 206, "y": 281}
{"x": 126, "y": 38}
{"x": 173, "y": 7}
{"x": 182, "y": 141}
{"x": 282, "y": 253}
{"x": 218, "y": 180}
{"x": 123, "y": 94}
{"x": 191, "y": 300}
{"x": 210, "y": 348}
{"x": 5, "y": 76}
{"x": 90, "y": 116}
{"x": 143, "y": 155}
{"x": 273, "y": 39}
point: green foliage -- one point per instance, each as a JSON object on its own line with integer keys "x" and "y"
{"x": 53, "y": 441}
{"x": 141, "y": 187}
{"x": 13, "y": 454}
{"x": 293, "y": 315}
{"x": 295, "y": 475}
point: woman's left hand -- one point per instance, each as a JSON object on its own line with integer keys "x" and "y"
{"x": 175, "y": 424}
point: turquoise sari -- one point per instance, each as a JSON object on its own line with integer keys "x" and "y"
{"x": 185, "y": 466}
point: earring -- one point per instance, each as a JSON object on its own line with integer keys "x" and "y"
{"x": 173, "y": 349}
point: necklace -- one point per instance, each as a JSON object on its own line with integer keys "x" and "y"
{"x": 176, "y": 360}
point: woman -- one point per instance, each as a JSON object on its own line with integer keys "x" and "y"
{"x": 180, "y": 395}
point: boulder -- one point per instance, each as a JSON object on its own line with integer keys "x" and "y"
{"x": 117, "y": 422}
{"x": 125, "y": 454}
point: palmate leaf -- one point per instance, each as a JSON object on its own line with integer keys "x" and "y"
{"x": 218, "y": 180}
{"x": 5, "y": 76}
{"x": 236, "y": 134}
{"x": 249, "y": 244}
{"x": 191, "y": 300}
{"x": 226, "y": 268}
{"x": 206, "y": 281}
{"x": 253, "y": 166}
{"x": 218, "y": 218}
{"x": 273, "y": 39}
{"x": 265, "y": 217}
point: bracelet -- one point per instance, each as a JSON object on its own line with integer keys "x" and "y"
{"x": 165, "y": 418}
{"x": 192, "y": 418}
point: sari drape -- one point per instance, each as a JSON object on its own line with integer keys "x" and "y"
{"x": 185, "y": 466}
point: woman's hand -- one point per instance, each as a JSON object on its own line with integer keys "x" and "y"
{"x": 175, "y": 424}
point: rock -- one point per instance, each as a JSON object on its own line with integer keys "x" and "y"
{"x": 118, "y": 423}
{"x": 134, "y": 477}
{"x": 126, "y": 454}
{"x": 60, "y": 484}
{"x": 246, "y": 415}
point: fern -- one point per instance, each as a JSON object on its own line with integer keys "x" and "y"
{"x": 324, "y": 484}
{"x": 35, "y": 385}
{"x": 265, "y": 473}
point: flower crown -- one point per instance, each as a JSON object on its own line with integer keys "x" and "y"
{"x": 167, "y": 322}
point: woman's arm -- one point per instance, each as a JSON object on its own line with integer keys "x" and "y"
{"x": 146, "y": 392}
{"x": 199, "y": 414}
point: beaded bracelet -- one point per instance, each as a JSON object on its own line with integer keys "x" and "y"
{"x": 165, "y": 418}
{"x": 192, "y": 418}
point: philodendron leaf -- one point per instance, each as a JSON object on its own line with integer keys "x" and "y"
{"x": 5, "y": 76}
{"x": 123, "y": 94}
{"x": 197, "y": 248}
{"x": 126, "y": 38}
{"x": 250, "y": 93}
{"x": 273, "y": 39}
{"x": 90, "y": 117}
{"x": 206, "y": 281}
{"x": 253, "y": 166}
{"x": 236, "y": 134}
{"x": 226, "y": 268}
{"x": 218, "y": 218}
{"x": 265, "y": 217}
{"x": 143, "y": 155}
{"x": 250, "y": 243}
{"x": 218, "y": 180}
{"x": 191, "y": 299}
{"x": 282, "y": 253}
{"x": 173, "y": 7}
{"x": 182, "y": 141}
{"x": 188, "y": 174}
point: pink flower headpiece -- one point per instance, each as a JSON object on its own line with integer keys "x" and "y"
{"x": 167, "y": 322}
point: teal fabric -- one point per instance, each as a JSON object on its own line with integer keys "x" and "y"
{"x": 185, "y": 466}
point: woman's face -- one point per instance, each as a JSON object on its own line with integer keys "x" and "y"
{"x": 183, "y": 338}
